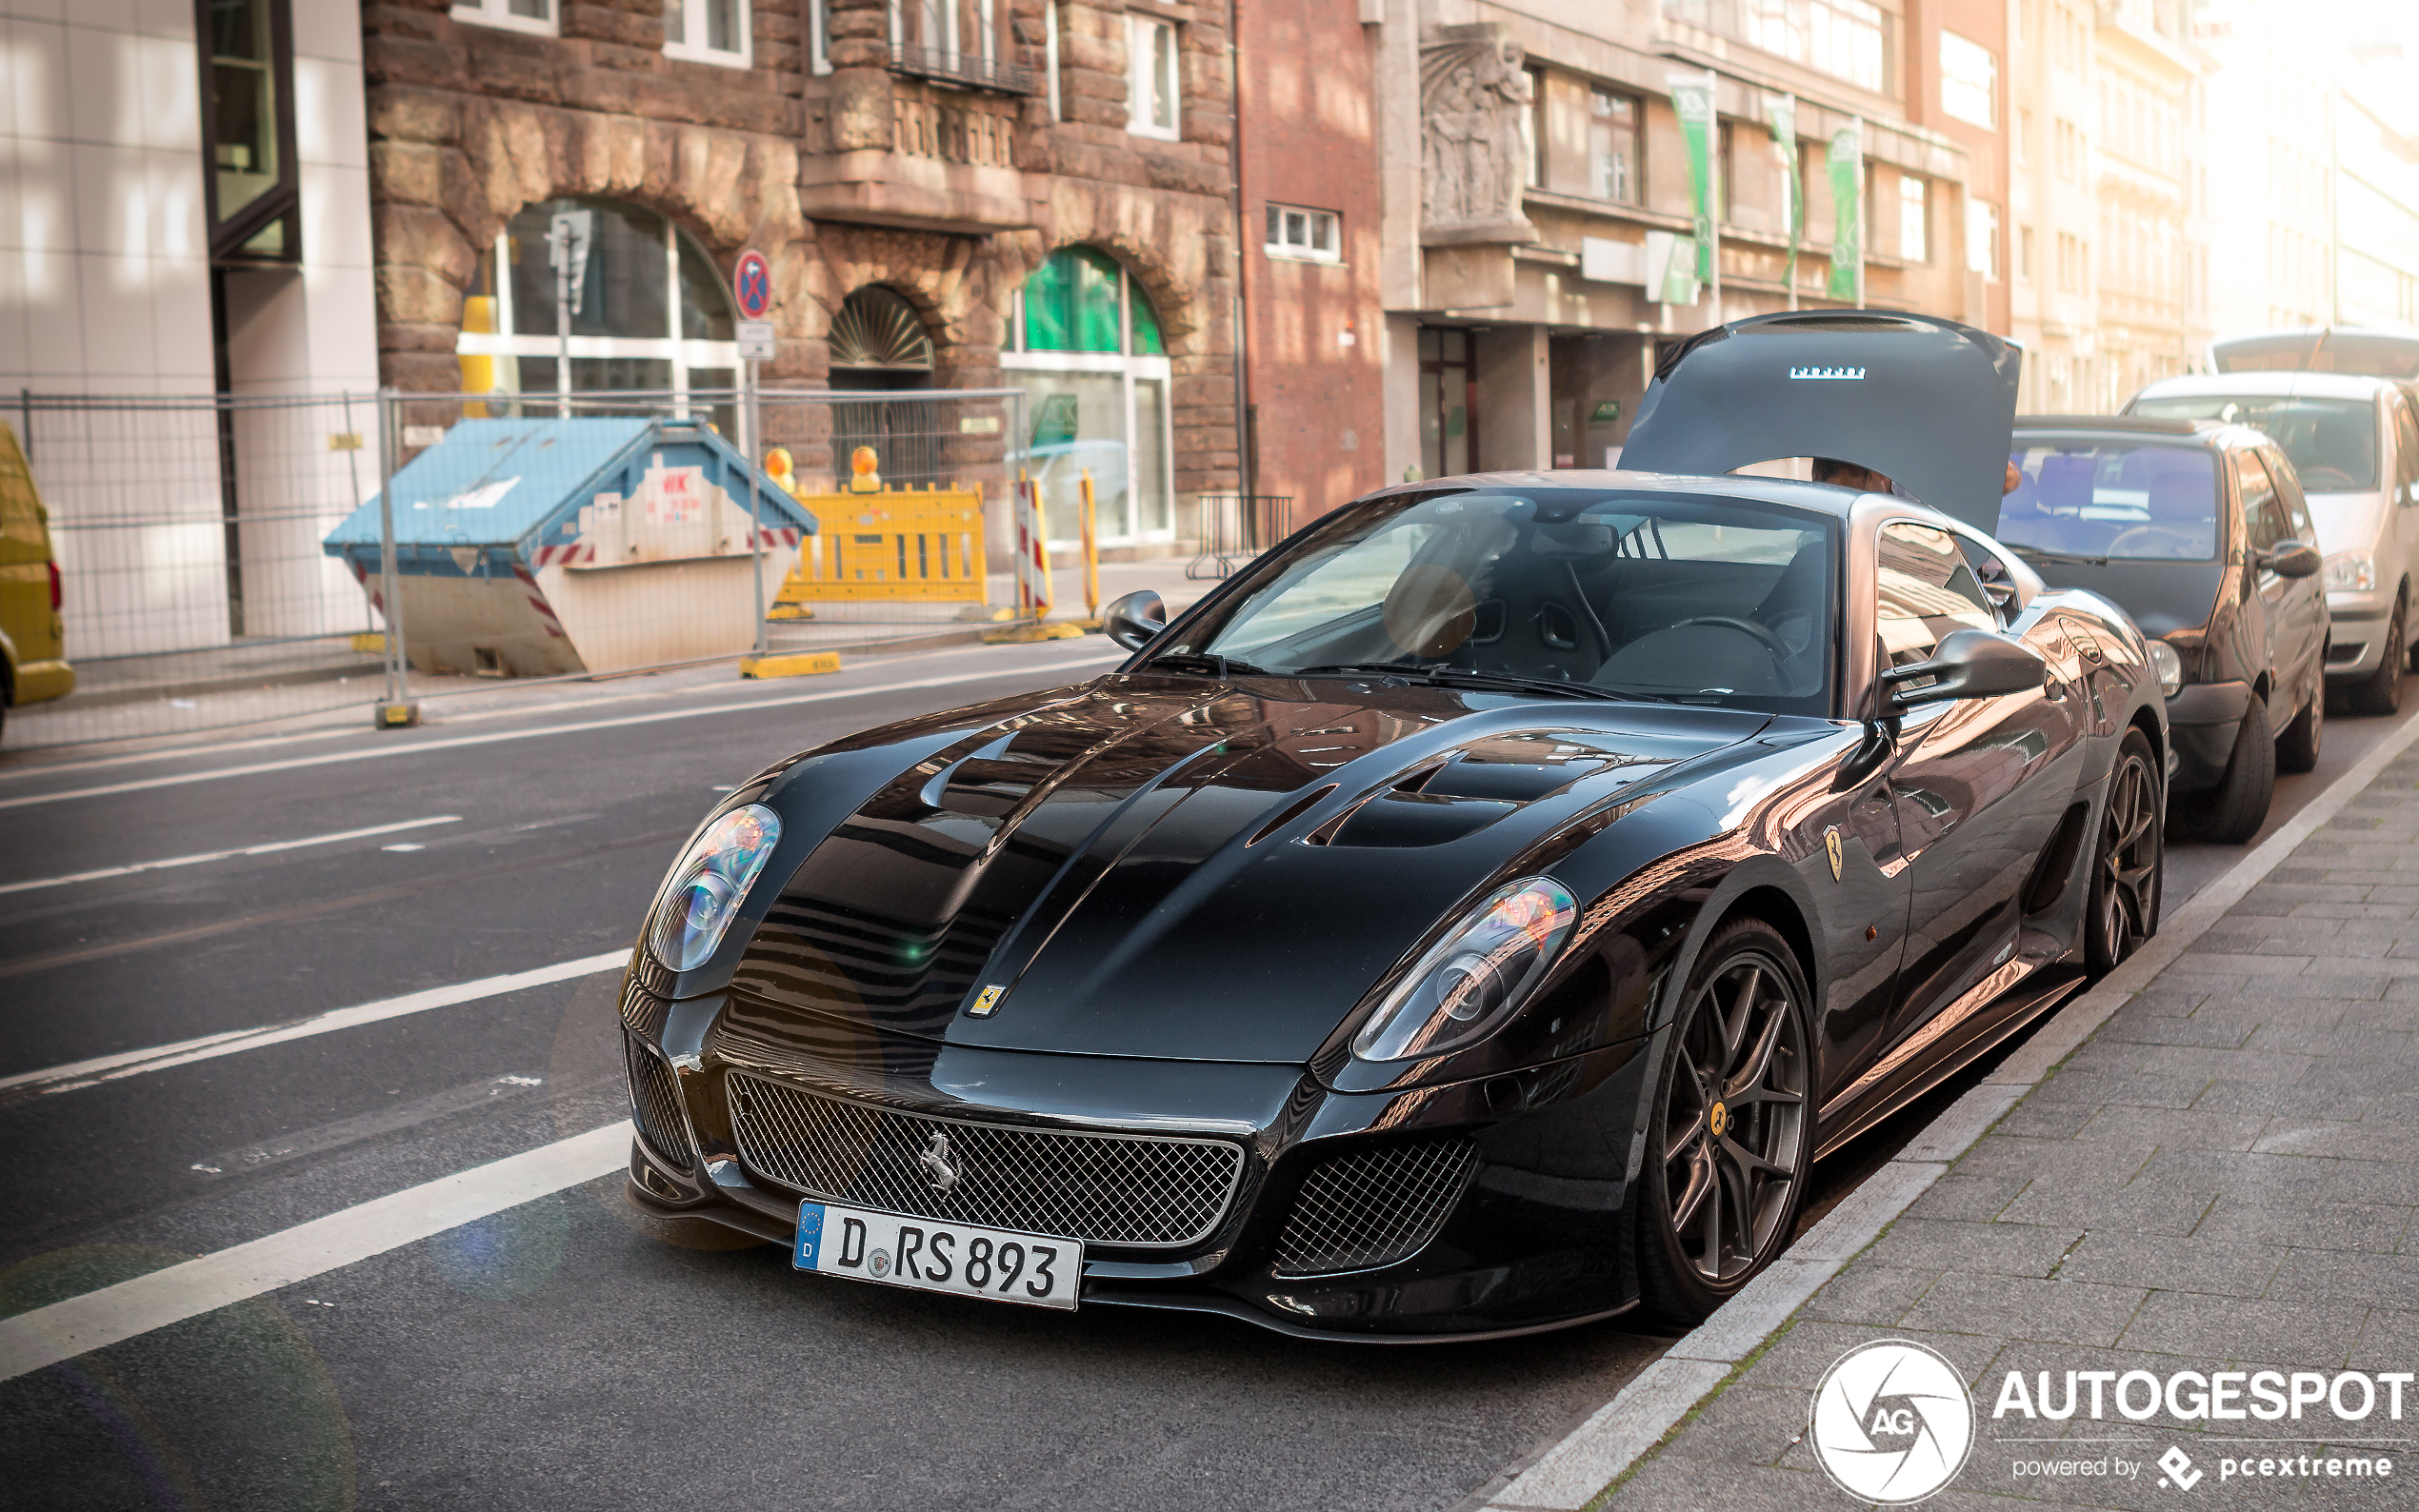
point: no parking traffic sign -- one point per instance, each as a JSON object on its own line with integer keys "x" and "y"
{"x": 751, "y": 285}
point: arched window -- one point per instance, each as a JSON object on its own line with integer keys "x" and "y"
{"x": 652, "y": 311}
{"x": 1086, "y": 350}
{"x": 878, "y": 342}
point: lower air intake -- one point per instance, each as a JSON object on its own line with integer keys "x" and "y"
{"x": 1372, "y": 1207}
{"x": 654, "y": 1106}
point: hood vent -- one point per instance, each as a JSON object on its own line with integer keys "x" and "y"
{"x": 1461, "y": 794}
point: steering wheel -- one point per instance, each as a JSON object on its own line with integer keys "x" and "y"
{"x": 2152, "y": 539}
{"x": 2315, "y": 478}
{"x": 1782, "y": 654}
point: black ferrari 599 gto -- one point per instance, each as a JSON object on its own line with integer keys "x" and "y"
{"x": 1476, "y": 916}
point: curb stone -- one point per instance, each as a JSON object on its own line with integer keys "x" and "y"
{"x": 1568, "y": 1475}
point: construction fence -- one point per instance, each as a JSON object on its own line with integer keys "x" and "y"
{"x": 234, "y": 560}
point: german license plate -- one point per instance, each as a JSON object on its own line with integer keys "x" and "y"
{"x": 924, "y": 1255}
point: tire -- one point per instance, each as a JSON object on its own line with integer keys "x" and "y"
{"x": 2380, "y": 692}
{"x": 2129, "y": 860}
{"x": 2297, "y": 748}
{"x": 2233, "y": 812}
{"x": 1737, "y": 1081}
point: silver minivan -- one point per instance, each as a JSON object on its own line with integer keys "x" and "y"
{"x": 2354, "y": 442}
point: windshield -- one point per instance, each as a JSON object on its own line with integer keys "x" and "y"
{"x": 2332, "y": 442}
{"x": 1702, "y": 600}
{"x": 2117, "y": 499}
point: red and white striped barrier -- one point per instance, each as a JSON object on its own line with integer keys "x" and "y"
{"x": 1033, "y": 597}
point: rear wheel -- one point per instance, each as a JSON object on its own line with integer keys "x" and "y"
{"x": 2128, "y": 862}
{"x": 2297, "y": 748}
{"x": 1732, "y": 1126}
{"x": 2233, "y": 812}
{"x": 2380, "y": 692}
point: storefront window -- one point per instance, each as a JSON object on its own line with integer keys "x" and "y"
{"x": 1087, "y": 352}
{"x": 652, "y": 311}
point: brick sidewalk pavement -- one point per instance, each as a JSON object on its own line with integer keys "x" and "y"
{"x": 2224, "y": 1177}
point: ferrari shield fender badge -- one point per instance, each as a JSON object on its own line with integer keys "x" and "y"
{"x": 987, "y": 1000}
{"x": 1830, "y": 845}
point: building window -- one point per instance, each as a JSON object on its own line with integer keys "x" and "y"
{"x": 1307, "y": 235}
{"x": 512, "y": 15}
{"x": 1539, "y": 132}
{"x": 247, "y": 131}
{"x": 652, "y": 311}
{"x": 1982, "y": 239}
{"x": 1084, "y": 346}
{"x": 2069, "y": 151}
{"x": 955, "y": 40}
{"x": 1613, "y": 147}
{"x": 2023, "y": 138}
{"x": 1914, "y": 218}
{"x": 819, "y": 35}
{"x": 2024, "y": 254}
{"x": 1847, "y": 39}
{"x": 708, "y": 31}
{"x": 1968, "y": 81}
{"x": 1151, "y": 81}
{"x": 1050, "y": 55}
{"x": 1448, "y": 403}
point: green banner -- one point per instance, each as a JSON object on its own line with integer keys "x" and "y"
{"x": 1693, "y": 102}
{"x": 1783, "y": 110}
{"x": 1847, "y": 212}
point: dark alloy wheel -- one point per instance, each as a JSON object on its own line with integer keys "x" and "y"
{"x": 1733, "y": 1132}
{"x": 2128, "y": 862}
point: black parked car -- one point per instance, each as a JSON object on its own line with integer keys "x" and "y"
{"x": 1474, "y": 917}
{"x": 2198, "y": 530}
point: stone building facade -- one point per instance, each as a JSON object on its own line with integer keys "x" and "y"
{"x": 942, "y": 157}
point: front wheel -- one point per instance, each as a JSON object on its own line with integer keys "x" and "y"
{"x": 2297, "y": 748}
{"x": 2233, "y": 812}
{"x": 1733, "y": 1127}
{"x": 2380, "y": 692}
{"x": 2128, "y": 862}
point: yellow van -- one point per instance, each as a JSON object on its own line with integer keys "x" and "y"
{"x": 33, "y": 664}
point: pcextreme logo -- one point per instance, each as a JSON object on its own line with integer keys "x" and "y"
{"x": 1892, "y": 1422}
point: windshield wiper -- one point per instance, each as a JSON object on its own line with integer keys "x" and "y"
{"x": 2071, "y": 558}
{"x": 1443, "y": 676}
{"x": 1223, "y": 667}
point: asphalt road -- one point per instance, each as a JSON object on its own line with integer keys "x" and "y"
{"x": 559, "y": 1355}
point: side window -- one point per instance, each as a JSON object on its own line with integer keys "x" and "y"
{"x": 2261, "y": 516}
{"x": 2292, "y": 505}
{"x": 1925, "y": 590}
{"x": 2406, "y": 450}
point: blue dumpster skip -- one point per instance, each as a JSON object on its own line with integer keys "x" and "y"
{"x": 526, "y": 548}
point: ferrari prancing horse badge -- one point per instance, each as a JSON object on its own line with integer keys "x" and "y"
{"x": 1830, "y": 843}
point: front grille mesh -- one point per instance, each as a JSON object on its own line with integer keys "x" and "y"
{"x": 1372, "y": 1207}
{"x": 1145, "y": 1192}
{"x": 655, "y": 1105}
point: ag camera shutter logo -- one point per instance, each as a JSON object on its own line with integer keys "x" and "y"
{"x": 1893, "y": 1422}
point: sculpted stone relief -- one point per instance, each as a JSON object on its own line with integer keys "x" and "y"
{"x": 1475, "y": 104}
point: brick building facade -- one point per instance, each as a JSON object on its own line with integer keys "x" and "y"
{"x": 940, "y": 155}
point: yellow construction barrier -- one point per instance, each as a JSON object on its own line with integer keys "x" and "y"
{"x": 915, "y": 546}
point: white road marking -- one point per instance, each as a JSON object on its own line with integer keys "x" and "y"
{"x": 403, "y": 849}
{"x": 269, "y": 848}
{"x": 209, "y": 1047}
{"x": 45, "y": 1336}
{"x": 473, "y": 716}
{"x": 459, "y": 742}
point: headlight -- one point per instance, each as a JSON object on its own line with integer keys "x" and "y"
{"x": 2355, "y": 570}
{"x": 1461, "y": 990}
{"x": 2168, "y": 666}
{"x": 702, "y": 892}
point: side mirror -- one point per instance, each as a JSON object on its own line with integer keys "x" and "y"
{"x": 1135, "y": 620}
{"x": 2289, "y": 559}
{"x": 1966, "y": 663}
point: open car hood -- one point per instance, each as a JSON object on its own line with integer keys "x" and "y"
{"x": 1157, "y": 866}
{"x": 1928, "y": 402}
